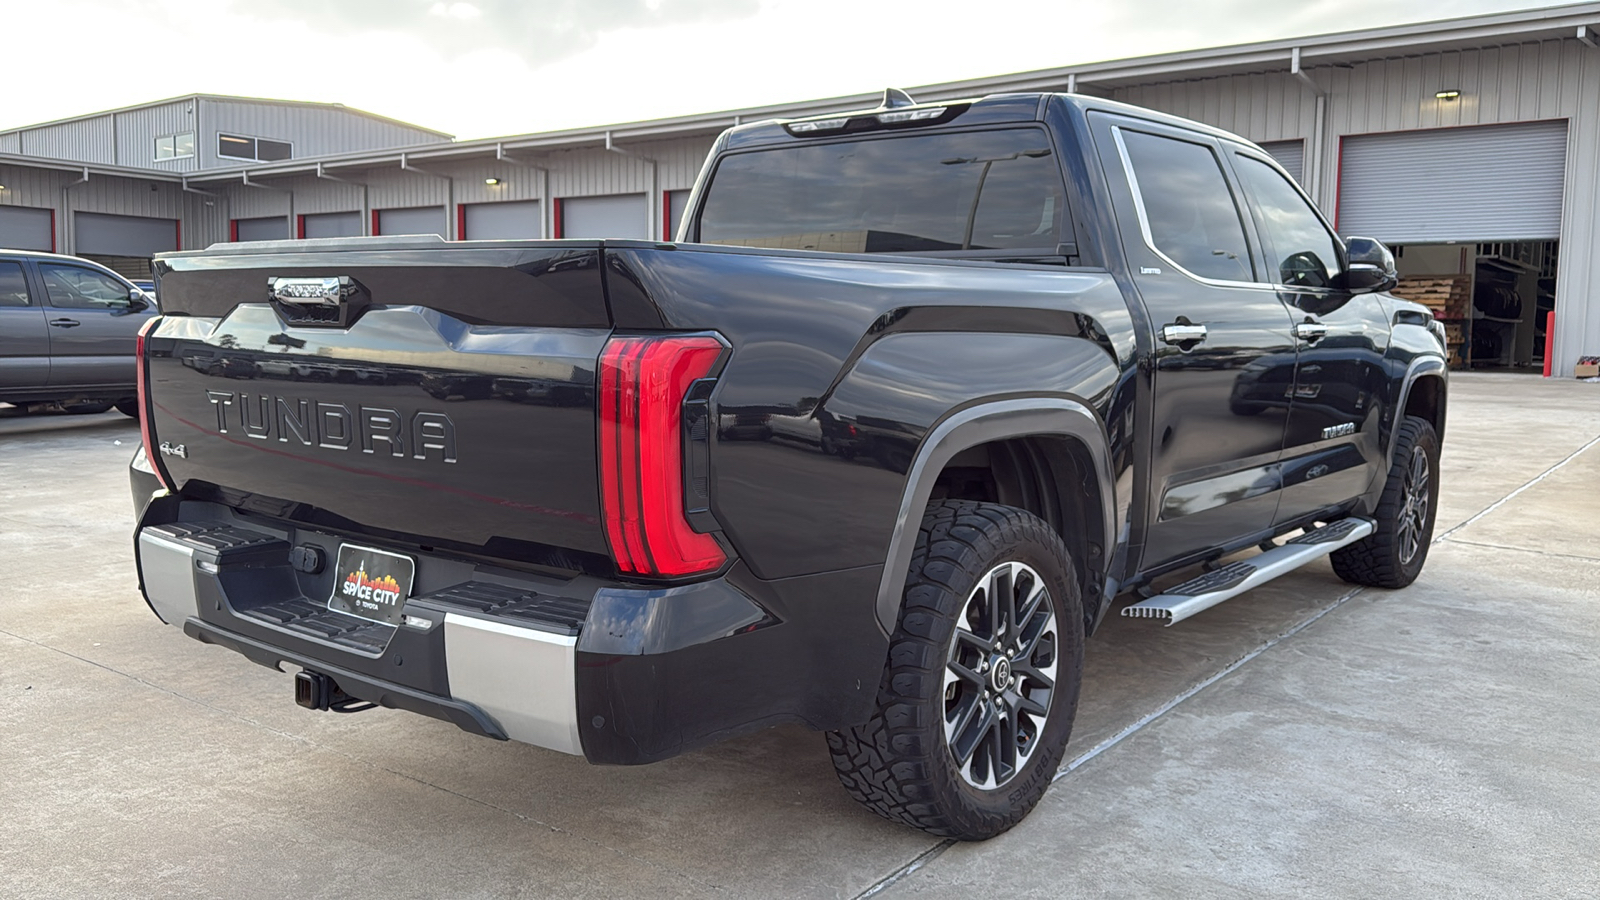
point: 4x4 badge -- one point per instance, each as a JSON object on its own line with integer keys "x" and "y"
{"x": 170, "y": 449}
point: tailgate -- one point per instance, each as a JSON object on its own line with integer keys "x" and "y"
{"x": 431, "y": 395}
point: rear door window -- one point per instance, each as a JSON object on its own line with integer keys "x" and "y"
{"x": 1187, "y": 211}
{"x": 13, "y": 285}
{"x": 971, "y": 191}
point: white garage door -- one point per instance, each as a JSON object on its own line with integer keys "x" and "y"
{"x": 270, "y": 228}
{"x": 328, "y": 225}
{"x": 417, "y": 220}
{"x": 621, "y": 216}
{"x": 26, "y": 228}
{"x": 100, "y": 234}
{"x": 502, "y": 221}
{"x": 1291, "y": 155}
{"x": 1484, "y": 183}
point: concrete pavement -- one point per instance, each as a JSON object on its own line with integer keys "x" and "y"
{"x": 1302, "y": 739}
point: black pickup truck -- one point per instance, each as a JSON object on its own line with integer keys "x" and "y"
{"x": 872, "y": 447}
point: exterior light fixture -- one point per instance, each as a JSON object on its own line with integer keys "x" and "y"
{"x": 491, "y": 181}
{"x": 1448, "y": 95}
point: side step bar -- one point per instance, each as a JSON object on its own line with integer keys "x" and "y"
{"x": 1202, "y": 593}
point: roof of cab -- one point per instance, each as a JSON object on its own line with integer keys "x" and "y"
{"x": 991, "y": 110}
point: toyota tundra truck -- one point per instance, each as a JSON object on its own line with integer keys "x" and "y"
{"x": 916, "y": 395}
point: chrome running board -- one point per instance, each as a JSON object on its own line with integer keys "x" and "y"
{"x": 1199, "y": 594}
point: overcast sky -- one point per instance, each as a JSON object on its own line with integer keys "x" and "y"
{"x": 479, "y": 68}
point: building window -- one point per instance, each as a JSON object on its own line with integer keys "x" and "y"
{"x": 230, "y": 146}
{"x": 175, "y": 146}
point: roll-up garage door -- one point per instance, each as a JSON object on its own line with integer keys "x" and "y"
{"x": 1483, "y": 183}
{"x": 99, "y": 234}
{"x": 1291, "y": 155}
{"x": 26, "y": 228}
{"x": 622, "y": 216}
{"x": 328, "y": 225}
{"x": 270, "y": 228}
{"x": 417, "y": 220}
{"x": 500, "y": 221}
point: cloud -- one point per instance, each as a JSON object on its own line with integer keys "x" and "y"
{"x": 539, "y": 32}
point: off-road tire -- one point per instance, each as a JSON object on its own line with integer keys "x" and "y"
{"x": 1380, "y": 559}
{"x": 899, "y": 764}
{"x": 129, "y": 407}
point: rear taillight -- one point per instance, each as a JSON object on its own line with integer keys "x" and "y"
{"x": 643, "y": 384}
{"x": 146, "y": 427}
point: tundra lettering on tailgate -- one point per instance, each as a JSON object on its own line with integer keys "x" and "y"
{"x": 336, "y": 426}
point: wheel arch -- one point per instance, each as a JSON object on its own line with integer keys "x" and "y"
{"x": 1048, "y": 455}
{"x": 1423, "y": 393}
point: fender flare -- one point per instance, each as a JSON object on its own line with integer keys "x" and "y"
{"x": 981, "y": 424}
{"x": 1426, "y": 367}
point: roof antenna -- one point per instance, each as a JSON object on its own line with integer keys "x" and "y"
{"x": 894, "y": 97}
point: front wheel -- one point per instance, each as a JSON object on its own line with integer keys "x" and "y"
{"x": 981, "y": 687}
{"x": 1393, "y": 555}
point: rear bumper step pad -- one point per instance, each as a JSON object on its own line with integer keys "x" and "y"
{"x": 1203, "y": 592}
{"x": 465, "y": 715}
{"x": 507, "y": 651}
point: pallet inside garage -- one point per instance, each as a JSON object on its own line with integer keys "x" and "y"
{"x": 1450, "y": 298}
{"x": 1447, "y": 295}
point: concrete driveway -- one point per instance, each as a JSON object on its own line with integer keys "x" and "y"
{"x": 1305, "y": 739}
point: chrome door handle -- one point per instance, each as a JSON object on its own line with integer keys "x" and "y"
{"x": 1183, "y": 334}
{"x": 1310, "y": 331}
{"x": 65, "y": 323}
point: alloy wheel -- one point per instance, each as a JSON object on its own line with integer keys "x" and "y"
{"x": 1414, "y": 509}
{"x": 1000, "y": 675}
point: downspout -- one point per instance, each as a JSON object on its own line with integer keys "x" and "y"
{"x": 366, "y": 203}
{"x": 546, "y": 208}
{"x": 69, "y": 233}
{"x": 1318, "y": 127}
{"x": 449, "y": 197}
{"x": 184, "y": 182}
{"x": 292, "y": 231}
{"x": 651, "y": 208}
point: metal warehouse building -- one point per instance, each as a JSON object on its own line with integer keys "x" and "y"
{"x": 1470, "y": 145}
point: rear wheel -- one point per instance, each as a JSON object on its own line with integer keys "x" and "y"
{"x": 129, "y": 407}
{"x": 981, "y": 687}
{"x": 1393, "y": 555}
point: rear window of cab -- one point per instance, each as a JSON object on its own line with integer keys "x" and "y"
{"x": 957, "y": 191}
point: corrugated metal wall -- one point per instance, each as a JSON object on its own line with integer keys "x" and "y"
{"x": 137, "y": 129}
{"x": 85, "y": 140}
{"x": 11, "y": 142}
{"x": 28, "y": 186}
{"x": 314, "y": 131}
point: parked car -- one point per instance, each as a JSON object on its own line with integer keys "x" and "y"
{"x": 1070, "y": 346}
{"x": 67, "y": 333}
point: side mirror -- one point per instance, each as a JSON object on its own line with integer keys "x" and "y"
{"x": 1371, "y": 266}
{"x": 137, "y": 301}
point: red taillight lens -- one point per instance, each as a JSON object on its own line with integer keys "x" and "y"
{"x": 146, "y": 427}
{"x": 643, "y": 383}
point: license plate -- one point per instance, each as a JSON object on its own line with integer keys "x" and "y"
{"x": 372, "y": 584}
